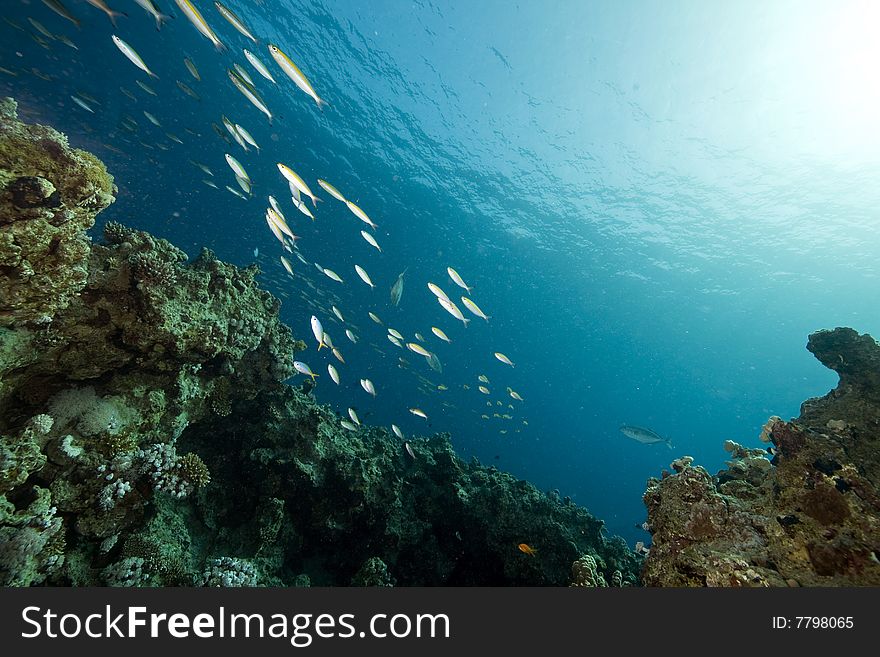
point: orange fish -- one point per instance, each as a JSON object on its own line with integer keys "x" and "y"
{"x": 528, "y": 549}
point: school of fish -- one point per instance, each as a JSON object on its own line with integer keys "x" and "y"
{"x": 221, "y": 30}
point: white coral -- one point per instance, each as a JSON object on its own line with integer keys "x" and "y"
{"x": 113, "y": 492}
{"x": 229, "y": 572}
{"x": 102, "y": 416}
{"x": 71, "y": 450}
{"x": 160, "y": 463}
{"x": 41, "y": 424}
{"x": 70, "y": 404}
{"x": 93, "y": 415}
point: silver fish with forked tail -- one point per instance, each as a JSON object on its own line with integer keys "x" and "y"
{"x": 397, "y": 289}
{"x": 644, "y": 436}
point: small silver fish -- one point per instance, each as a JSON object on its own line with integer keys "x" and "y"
{"x": 397, "y": 288}
{"x": 371, "y": 240}
{"x": 187, "y": 90}
{"x": 82, "y": 104}
{"x": 145, "y": 87}
{"x": 235, "y": 21}
{"x": 152, "y": 119}
{"x": 364, "y": 276}
{"x": 434, "y": 363}
{"x": 198, "y": 22}
{"x": 293, "y": 72}
{"x": 132, "y": 56}
{"x": 258, "y": 65}
{"x": 243, "y": 73}
{"x": 193, "y": 71}
{"x": 643, "y": 435}
{"x": 302, "y": 368}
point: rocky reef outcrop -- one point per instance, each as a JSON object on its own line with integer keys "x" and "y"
{"x": 148, "y": 435}
{"x": 50, "y": 196}
{"x": 355, "y": 507}
{"x": 803, "y": 512}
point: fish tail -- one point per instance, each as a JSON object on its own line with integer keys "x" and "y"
{"x": 113, "y": 15}
{"x": 160, "y": 19}
{"x": 466, "y": 322}
{"x": 321, "y": 103}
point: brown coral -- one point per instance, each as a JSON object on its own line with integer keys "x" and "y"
{"x": 193, "y": 470}
{"x": 809, "y": 516}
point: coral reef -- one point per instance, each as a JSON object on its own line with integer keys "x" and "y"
{"x": 107, "y": 353}
{"x": 806, "y": 517}
{"x": 148, "y": 437}
{"x": 50, "y": 196}
{"x": 431, "y": 520}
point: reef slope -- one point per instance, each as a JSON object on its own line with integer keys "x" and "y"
{"x": 148, "y": 437}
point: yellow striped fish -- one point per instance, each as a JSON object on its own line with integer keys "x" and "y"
{"x": 199, "y": 22}
{"x": 295, "y": 74}
{"x": 235, "y": 21}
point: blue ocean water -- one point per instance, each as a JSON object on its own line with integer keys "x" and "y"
{"x": 654, "y": 202}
